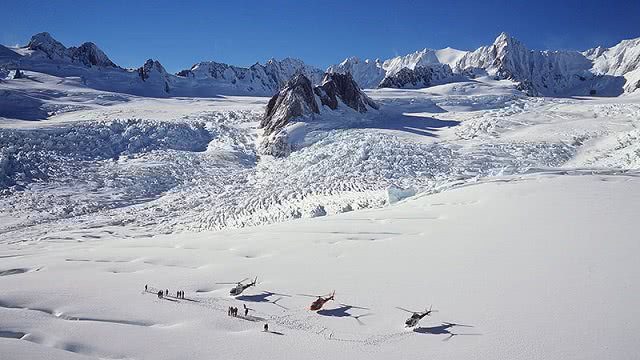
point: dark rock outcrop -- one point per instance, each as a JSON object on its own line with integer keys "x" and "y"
{"x": 342, "y": 86}
{"x": 295, "y": 100}
{"x": 298, "y": 99}
{"x": 48, "y": 45}
{"x": 18, "y": 74}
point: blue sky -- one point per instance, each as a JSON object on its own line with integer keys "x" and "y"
{"x": 180, "y": 33}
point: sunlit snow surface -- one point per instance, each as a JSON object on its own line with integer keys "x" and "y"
{"x": 191, "y": 164}
{"x": 522, "y": 229}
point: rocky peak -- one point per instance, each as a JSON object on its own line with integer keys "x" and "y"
{"x": 342, "y": 86}
{"x": 294, "y": 100}
{"x": 298, "y": 99}
{"x": 89, "y": 54}
{"x": 150, "y": 66}
{"x": 47, "y": 44}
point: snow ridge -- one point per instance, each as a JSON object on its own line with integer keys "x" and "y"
{"x": 47, "y": 55}
{"x": 598, "y": 71}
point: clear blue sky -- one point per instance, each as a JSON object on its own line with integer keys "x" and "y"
{"x": 180, "y": 33}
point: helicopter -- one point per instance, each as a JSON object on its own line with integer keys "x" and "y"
{"x": 416, "y": 316}
{"x": 320, "y": 301}
{"x": 240, "y": 287}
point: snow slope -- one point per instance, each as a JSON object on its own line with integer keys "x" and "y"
{"x": 543, "y": 280}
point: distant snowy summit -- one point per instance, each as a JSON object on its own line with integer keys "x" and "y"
{"x": 600, "y": 71}
{"x": 45, "y": 54}
{"x": 284, "y": 120}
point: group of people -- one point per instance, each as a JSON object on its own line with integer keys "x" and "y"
{"x": 165, "y": 293}
{"x": 233, "y": 311}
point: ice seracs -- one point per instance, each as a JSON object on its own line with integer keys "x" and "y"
{"x": 299, "y": 99}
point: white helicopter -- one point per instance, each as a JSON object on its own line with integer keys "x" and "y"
{"x": 240, "y": 287}
{"x": 416, "y": 316}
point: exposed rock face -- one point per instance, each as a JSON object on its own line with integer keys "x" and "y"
{"x": 342, "y": 86}
{"x": 298, "y": 99}
{"x": 419, "y": 77}
{"x": 295, "y": 100}
{"x": 48, "y": 45}
{"x": 18, "y": 74}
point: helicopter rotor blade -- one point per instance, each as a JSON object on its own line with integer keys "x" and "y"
{"x": 409, "y": 311}
{"x": 359, "y": 316}
{"x": 354, "y": 307}
{"x": 453, "y": 324}
{"x": 275, "y": 302}
{"x": 307, "y": 295}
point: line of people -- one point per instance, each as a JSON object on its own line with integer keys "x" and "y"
{"x": 165, "y": 293}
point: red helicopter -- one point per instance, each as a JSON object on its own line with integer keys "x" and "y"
{"x": 320, "y": 301}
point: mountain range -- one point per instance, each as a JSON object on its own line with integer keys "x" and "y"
{"x": 598, "y": 71}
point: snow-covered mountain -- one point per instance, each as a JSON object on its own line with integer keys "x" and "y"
{"x": 257, "y": 79}
{"x": 368, "y": 73}
{"x": 47, "y": 55}
{"x": 88, "y": 54}
{"x": 537, "y": 72}
{"x": 620, "y": 60}
{"x": 371, "y": 74}
{"x": 418, "y": 77}
{"x": 599, "y": 71}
